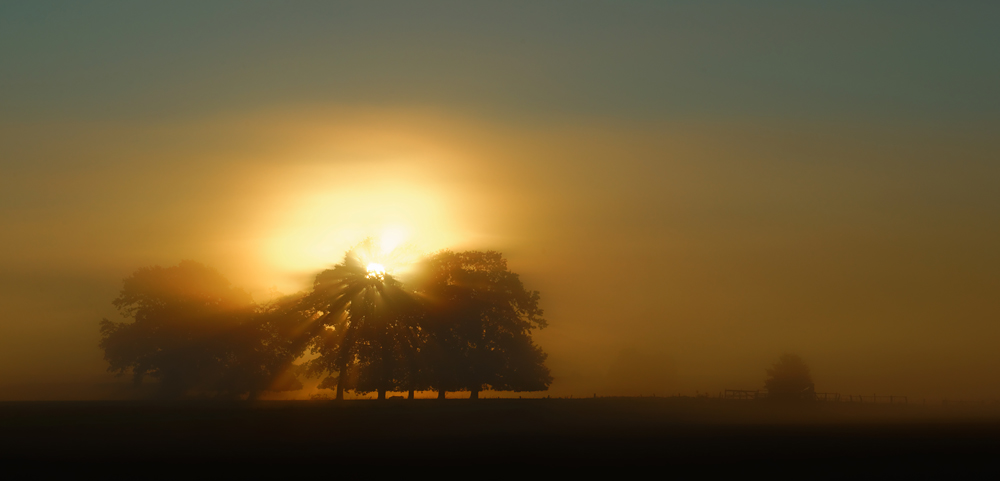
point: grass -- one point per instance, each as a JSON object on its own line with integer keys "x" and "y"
{"x": 673, "y": 432}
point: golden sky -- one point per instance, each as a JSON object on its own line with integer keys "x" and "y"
{"x": 693, "y": 190}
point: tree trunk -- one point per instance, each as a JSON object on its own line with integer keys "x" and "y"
{"x": 410, "y": 395}
{"x": 474, "y": 394}
{"x": 381, "y": 393}
{"x": 441, "y": 393}
{"x": 340, "y": 383}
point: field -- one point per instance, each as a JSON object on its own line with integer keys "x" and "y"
{"x": 670, "y": 433}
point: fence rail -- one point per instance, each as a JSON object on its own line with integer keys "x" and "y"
{"x": 748, "y": 395}
{"x": 743, "y": 395}
{"x": 874, "y": 398}
{"x": 828, "y": 396}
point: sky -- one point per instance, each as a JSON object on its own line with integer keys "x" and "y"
{"x": 694, "y": 188}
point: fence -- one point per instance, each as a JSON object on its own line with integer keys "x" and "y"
{"x": 874, "y": 398}
{"x": 827, "y": 396}
{"x": 747, "y": 395}
{"x": 743, "y": 394}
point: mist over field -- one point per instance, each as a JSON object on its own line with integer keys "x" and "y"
{"x": 694, "y": 190}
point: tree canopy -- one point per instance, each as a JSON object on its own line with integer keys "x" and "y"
{"x": 478, "y": 319}
{"x": 196, "y": 333}
{"x": 367, "y": 323}
{"x": 462, "y": 321}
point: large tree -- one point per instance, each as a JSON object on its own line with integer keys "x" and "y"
{"x": 196, "y": 333}
{"x": 264, "y": 347}
{"x": 367, "y": 333}
{"x": 478, "y": 324}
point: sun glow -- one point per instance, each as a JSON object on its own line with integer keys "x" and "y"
{"x": 375, "y": 270}
{"x": 391, "y": 238}
{"x": 402, "y": 217}
{"x": 382, "y": 258}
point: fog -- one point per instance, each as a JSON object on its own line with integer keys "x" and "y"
{"x": 681, "y": 241}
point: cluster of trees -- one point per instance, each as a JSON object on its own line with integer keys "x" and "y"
{"x": 462, "y": 322}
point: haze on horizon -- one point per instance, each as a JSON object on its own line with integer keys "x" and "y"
{"x": 694, "y": 189}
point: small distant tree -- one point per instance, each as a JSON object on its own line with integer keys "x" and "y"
{"x": 789, "y": 379}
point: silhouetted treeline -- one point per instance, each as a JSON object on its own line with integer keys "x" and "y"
{"x": 462, "y": 322}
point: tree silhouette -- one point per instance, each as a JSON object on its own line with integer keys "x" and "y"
{"x": 467, "y": 326}
{"x": 478, "y": 321}
{"x": 264, "y": 348}
{"x": 789, "y": 379}
{"x": 194, "y": 332}
{"x": 368, "y": 325}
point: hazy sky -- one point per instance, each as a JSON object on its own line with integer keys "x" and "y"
{"x": 694, "y": 187}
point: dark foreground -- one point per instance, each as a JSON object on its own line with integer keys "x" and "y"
{"x": 669, "y": 433}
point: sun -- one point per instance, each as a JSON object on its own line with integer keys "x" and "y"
{"x": 387, "y": 255}
{"x": 375, "y": 271}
